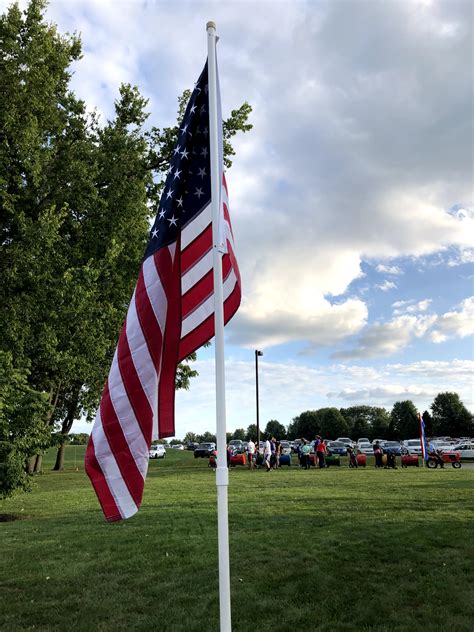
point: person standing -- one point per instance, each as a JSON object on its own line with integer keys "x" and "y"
{"x": 305, "y": 452}
{"x": 378, "y": 454}
{"x": 267, "y": 454}
{"x": 251, "y": 454}
{"x": 321, "y": 452}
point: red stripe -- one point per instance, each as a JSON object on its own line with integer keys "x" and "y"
{"x": 203, "y": 289}
{"x": 205, "y": 331}
{"x": 133, "y": 387}
{"x": 120, "y": 448}
{"x": 196, "y": 249}
{"x": 170, "y": 275}
{"x": 94, "y": 472}
{"x": 148, "y": 323}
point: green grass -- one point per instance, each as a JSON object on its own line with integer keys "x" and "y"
{"x": 366, "y": 549}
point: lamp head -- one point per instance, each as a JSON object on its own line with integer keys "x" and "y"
{"x": 259, "y": 353}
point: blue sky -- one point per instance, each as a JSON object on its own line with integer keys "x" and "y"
{"x": 351, "y": 198}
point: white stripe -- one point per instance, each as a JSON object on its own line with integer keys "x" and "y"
{"x": 155, "y": 291}
{"x": 141, "y": 357}
{"x": 125, "y": 503}
{"x": 205, "y": 310}
{"x": 196, "y": 226}
{"x": 195, "y": 274}
{"x": 127, "y": 420}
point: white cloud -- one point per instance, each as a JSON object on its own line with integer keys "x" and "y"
{"x": 387, "y": 285}
{"x": 389, "y": 269}
{"x": 410, "y": 307}
{"x": 455, "y": 324}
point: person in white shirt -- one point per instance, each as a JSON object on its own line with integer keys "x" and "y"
{"x": 251, "y": 453}
{"x": 267, "y": 453}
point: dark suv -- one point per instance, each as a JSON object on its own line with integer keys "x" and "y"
{"x": 204, "y": 450}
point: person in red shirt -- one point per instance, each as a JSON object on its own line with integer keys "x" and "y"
{"x": 321, "y": 452}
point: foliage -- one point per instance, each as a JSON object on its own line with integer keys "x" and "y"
{"x": 332, "y": 424}
{"x": 23, "y": 430}
{"x": 450, "y": 417}
{"x": 239, "y": 433}
{"x": 306, "y": 425}
{"x": 78, "y": 438}
{"x": 207, "y": 437}
{"x": 366, "y": 421}
{"x": 251, "y": 432}
{"x": 275, "y": 429}
{"x": 404, "y": 422}
{"x": 428, "y": 421}
{"x": 191, "y": 437}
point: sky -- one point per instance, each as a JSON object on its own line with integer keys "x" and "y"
{"x": 351, "y": 198}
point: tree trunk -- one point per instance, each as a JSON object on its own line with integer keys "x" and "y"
{"x": 59, "y": 465}
{"x": 30, "y": 466}
{"x": 38, "y": 463}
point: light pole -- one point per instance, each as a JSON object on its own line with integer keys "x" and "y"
{"x": 257, "y": 353}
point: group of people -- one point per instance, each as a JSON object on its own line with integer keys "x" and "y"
{"x": 305, "y": 448}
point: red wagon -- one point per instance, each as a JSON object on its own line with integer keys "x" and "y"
{"x": 362, "y": 460}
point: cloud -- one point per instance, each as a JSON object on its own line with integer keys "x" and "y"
{"x": 389, "y": 269}
{"x": 410, "y": 307}
{"x": 358, "y": 146}
{"x": 386, "y": 286}
{"x": 383, "y": 339}
{"x": 455, "y": 324}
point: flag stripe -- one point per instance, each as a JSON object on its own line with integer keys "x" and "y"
{"x": 204, "y": 289}
{"x": 99, "y": 482}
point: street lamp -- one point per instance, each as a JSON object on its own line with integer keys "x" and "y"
{"x": 257, "y": 353}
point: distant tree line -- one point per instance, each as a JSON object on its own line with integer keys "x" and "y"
{"x": 449, "y": 417}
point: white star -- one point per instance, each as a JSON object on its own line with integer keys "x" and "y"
{"x": 180, "y": 201}
{"x": 162, "y": 214}
{"x": 199, "y": 192}
{"x": 193, "y": 109}
{"x": 176, "y": 174}
{"x": 183, "y": 129}
{"x": 154, "y": 233}
{"x": 173, "y": 221}
{"x": 203, "y": 109}
{"x": 206, "y": 88}
{"x": 169, "y": 194}
{"x": 206, "y": 131}
{"x": 184, "y": 153}
{"x": 176, "y": 151}
{"x": 204, "y": 152}
{"x": 202, "y": 172}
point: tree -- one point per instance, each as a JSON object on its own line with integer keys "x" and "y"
{"x": 275, "y": 429}
{"x": 75, "y": 203}
{"x": 251, "y": 432}
{"x": 366, "y": 421}
{"x": 404, "y": 422}
{"x": 190, "y": 437}
{"x": 428, "y": 423}
{"x": 450, "y": 416}
{"x": 207, "y": 437}
{"x": 331, "y": 423}
{"x": 239, "y": 434}
{"x": 305, "y": 425}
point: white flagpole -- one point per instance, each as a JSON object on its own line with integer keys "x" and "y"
{"x": 222, "y": 473}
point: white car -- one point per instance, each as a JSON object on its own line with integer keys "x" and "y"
{"x": 465, "y": 449}
{"x": 285, "y": 447}
{"x": 365, "y": 447}
{"x": 413, "y": 446}
{"x": 345, "y": 440}
{"x": 178, "y": 446}
{"x": 157, "y": 452}
{"x": 362, "y": 440}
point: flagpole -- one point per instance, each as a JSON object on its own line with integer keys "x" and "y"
{"x": 222, "y": 473}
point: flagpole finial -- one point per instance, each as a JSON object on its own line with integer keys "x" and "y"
{"x": 211, "y": 25}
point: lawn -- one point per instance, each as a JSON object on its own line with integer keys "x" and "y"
{"x": 321, "y": 550}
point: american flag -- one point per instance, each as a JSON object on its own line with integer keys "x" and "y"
{"x": 171, "y": 314}
{"x": 424, "y": 451}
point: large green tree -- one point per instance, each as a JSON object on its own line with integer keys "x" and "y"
{"x": 75, "y": 202}
{"x": 451, "y": 417}
{"x": 332, "y": 424}
{"x": 305, "y": 425}
{"x": 404, "y": 422}
{"x": 275, "y": 429}
{"x": 366, "y": 421}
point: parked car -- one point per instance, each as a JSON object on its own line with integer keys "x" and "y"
{"x": 204, "y": 450}
{"x": 363, "y": 440}
{"x": 412, "y": 446}
{"x": 285, "y": 447}
{"x": 178, "y": 446}
{"x": 157, "y": 452}
{"x": 365, "y": 447}
{"x": 345, "y": 440}
{"x": 191, "y": 445}
{"x": 337, "y": 447}
{"x": 379, "y": 441}
{"x": 393, "y": 447}
{"x": 465, "y": 449}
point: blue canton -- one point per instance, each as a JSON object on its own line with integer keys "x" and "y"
{"x": 188, "y": 183}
